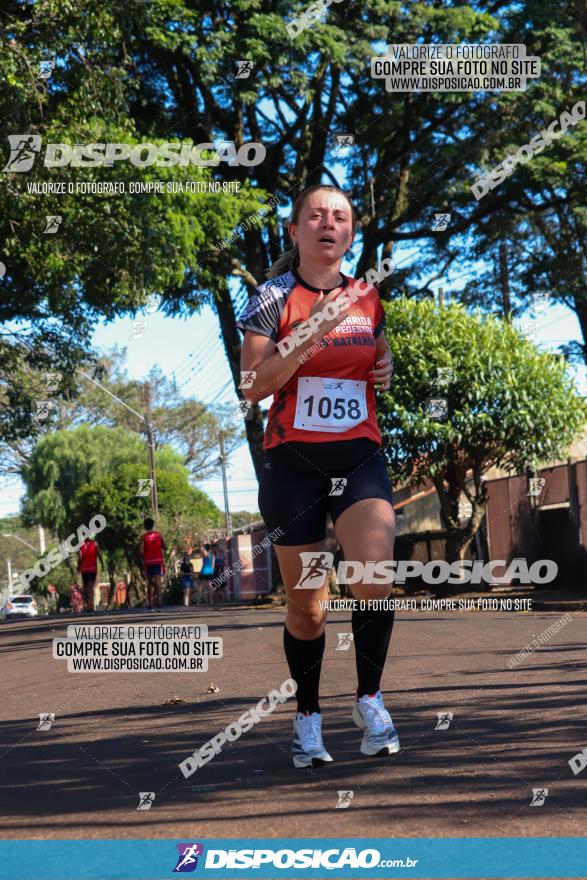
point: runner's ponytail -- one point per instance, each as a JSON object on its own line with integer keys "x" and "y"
{"x": 284, "y": 263}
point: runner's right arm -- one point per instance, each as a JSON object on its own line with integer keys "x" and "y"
{"x": 273, "y": 369}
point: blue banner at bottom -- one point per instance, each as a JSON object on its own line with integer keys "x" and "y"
{"x": 482, "y": 857}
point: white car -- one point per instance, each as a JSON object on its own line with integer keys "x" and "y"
{"x": 20, "y": 606}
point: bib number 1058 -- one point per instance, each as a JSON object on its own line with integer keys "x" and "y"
{"x": 326, "y": 407}
{"x": 331, "y": 405}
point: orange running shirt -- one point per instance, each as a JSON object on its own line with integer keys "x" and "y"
{"x": 308, "y": 409}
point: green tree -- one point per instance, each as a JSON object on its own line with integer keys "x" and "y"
{"x": 509, "y": 405}
{"x": 185, "y": 514}
{"x": 110, "y": 398}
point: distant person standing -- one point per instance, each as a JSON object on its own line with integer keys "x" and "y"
{"x": 206, "y": 572}
{"x": 152, "y": 547}
{"x": 186, "y": 570}
{"x": 87, "y": 565}
{"x": 219, "y": 566}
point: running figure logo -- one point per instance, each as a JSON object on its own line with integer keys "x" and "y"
{"x": 437, "y": 408}
{"x": 146, "y": 799}
{"x": 344, "y": 144}
{"x": 334, "y": 386}
{"x": 23, "y": 149}
{"x": 244, "y": 69}
{"x": 247, "y": 378}
{"x": 338, "y": 484}
{"x": 444, "y": 719}
{"x": 344, "y": 800}
{"x": 45, "y": 720}
{"x": 536, "y": 486}
{"x": 43, "y": 409}
{"x": 52, "y": 381}
{"x": 344, "y": 641}
{"x": 187, "y": 861}
{"x": 539, "y": 795}
{"x": 139, "y": 328}
{"x": 315, "y": 567}
{"x": 145, "y": 486}
{"x": 52, "y": 223}
{"x": 46, "y": 68}
{"x": 441, "y": 222}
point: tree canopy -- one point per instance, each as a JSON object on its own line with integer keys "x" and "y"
{"x": 470, "y": 393}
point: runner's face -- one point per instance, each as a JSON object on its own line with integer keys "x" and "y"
{"x": 325, "y": 228}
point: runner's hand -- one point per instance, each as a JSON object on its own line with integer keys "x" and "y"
{"x": 382, "y": 372}
{"x": 329, "y": 323}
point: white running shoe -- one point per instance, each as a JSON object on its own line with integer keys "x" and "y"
{"x": 380, "y": 736}
{"x": 308, "y": 749}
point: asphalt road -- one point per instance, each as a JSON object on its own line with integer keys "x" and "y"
{"x": 113, "y": 736}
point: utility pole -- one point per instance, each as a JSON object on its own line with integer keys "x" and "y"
{"x": 225, "y": 486}
{"x": 151, "y": 451}
{"x": 441, "y": 297}
{"x": 42, "y": 545}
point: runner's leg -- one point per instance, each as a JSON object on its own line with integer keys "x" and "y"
{"x": 366, "y": 532}
{"x": 305, "y": 623}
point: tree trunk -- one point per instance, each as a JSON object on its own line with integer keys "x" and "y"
{"x": 232, "y": 346}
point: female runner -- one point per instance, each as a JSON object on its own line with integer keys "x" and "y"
{"x": 322, "y": 427}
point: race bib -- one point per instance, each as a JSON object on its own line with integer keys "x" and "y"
{"x": 333, "y": 405}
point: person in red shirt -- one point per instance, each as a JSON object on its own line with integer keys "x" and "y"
{"x": 152, "y": 548}
{"x": 313, "y": 338}
{"x": 88, "y": 555}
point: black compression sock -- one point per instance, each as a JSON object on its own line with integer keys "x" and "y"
{"x": 372, "y": 632}
{"x": 304, "y": 659}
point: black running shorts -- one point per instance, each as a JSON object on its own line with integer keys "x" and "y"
{"x": 297, "y": 479}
